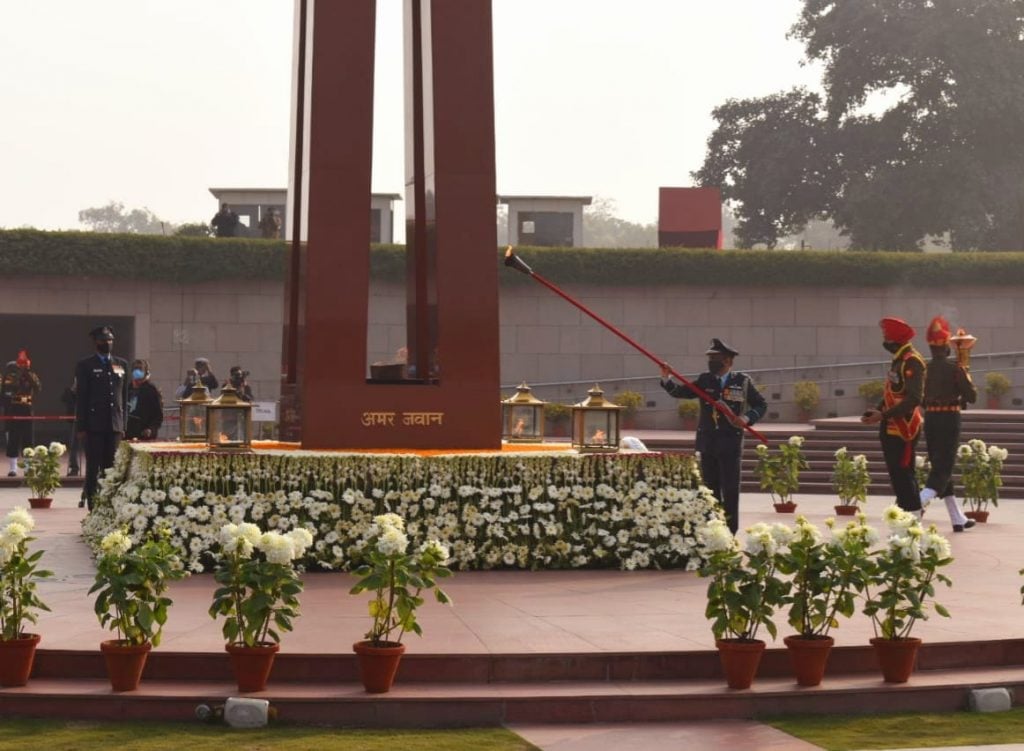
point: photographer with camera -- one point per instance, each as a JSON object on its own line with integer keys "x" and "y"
{"x": 237, "y": 377}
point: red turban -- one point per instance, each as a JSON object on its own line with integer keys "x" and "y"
{"x": 896, "y": 330}
{"x": 23, "y": 361}
{"x": 938, "y": 332}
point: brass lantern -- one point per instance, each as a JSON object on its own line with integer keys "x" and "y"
{"x": 964, "y": 343}
{"x": 192, "y": 415}
{"x": 229, "y": 422}
{"x": 595, "y": 423}
{"x": 522, "y": 417}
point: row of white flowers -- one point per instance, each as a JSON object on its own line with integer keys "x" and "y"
{"x": 527, "y": 511}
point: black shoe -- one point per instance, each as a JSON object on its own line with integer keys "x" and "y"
{"x": 72, "y": 473}
{"x": 966, "y": 525}
{"x": 12, "y": 474}
{"x": 81, "y": 503}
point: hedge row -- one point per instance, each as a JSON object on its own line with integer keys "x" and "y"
{"x": 197, "y": 259}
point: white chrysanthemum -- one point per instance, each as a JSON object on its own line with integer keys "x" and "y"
{"x": 390, "y": 520}
{"x": 796, "y": 440}
{"x": 760, "y": 540}
{"x": 57, "y": 449}
{"x": 977, "y": 444}
{"x": 176, "y": 494}
{"x": 840, "y": 452}
{"x": 116, "y": 543}
{"x": 277, "y": 547}
{"x": 783, "y": 534}
{"x": 301, "y": 540}
{"x": 250, "y": 532}
{"x": 715, "y": 536}
{"x": 12, "y": 534}
{"x": 997, "y": 453}
{"x": 20, "y": 515}
{"x": 392, "y": 541}
{"x": 920, "y": 461}
{"x": 906, "y": 547}
{"x": 761, "y": 448}
{"x": 29, "y": 452}
{"x": 807, "y": 531}
{"x": 898, "y": 519}
{"x": 436, "y": 550}
{"x": 932, "y": 541}
{"x": 860, "y": 461}
{"x": 963, "y": 451}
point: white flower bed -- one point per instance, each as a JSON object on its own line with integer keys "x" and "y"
{"x": 528, "y": 511}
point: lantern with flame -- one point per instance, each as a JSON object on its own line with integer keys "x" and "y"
{"x": 963, "y": 342}
{"x": 229, "y": 422}
{"x": 522, "y": 417}
{"x": 192, "y": 415}
{"x": 595, "y": 423}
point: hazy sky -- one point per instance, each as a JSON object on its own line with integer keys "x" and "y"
{"x": 151, "y": 102}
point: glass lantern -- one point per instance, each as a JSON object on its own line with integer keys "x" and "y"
{"x": 522, "y": 417}
{"x": 192, "y": 415}
{"x": 595, "y": 423}
{"x": 229, "y": 422}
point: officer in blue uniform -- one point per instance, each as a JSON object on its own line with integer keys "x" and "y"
{"x": 720, "y": 438}
{"x": 102, "y": 381}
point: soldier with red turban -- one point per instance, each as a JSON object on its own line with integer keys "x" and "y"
{"x": 899, "y": 413}
{"x": 948, "y": 388}
{"x": 20, "y": 387}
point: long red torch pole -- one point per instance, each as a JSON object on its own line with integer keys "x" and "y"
{"x": 515, "y": 262}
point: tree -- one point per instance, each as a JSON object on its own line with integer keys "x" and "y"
{"x": 602, "y": 229}
{"x": 945, "y": 154}
{"x": 115, "y": 218}
{"x": 193, "y": 229}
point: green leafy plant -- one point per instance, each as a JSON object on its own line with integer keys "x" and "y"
{"x": 744, "y": 588}
{"x": 850, "y": 477}
{"x": 130, "y": 585}
{"x": 259, "y": 590}
{"x": 902, "y": 575}
{"x": 872, "y": 391}
{"x": 42, "y": 468}
{"x": 806, "y": 396}
{"x": 779, "y": 474}
{"x": 827, "y": 575}
{"x": 557, "y": 412}
{"x": 397, "y": 579}
{"x": 996, "y": 384}
{"x": 631, "y": 401}
{"x": 981, "y": 471}
{"x": 19, "y": 574}
{"x": 688, "y": 409}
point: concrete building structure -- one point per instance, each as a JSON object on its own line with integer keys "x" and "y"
{"x": 549, "y": 221}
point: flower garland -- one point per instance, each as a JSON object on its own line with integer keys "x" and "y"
{"x": 507, "y": 510}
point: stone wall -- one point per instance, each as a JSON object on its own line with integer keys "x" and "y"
{"x": 543, "y": 338}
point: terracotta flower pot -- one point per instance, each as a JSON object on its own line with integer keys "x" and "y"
{"x": 40, "y": 502}
{"x": 846, "y": 509}
{"x": 740, "y": 659}
{"x": 896, "y": 657}
{"x": 808, "y": 656}
{"x": 785, "y": 508}
{"x": 378, "y": 664}
{"x": 16, "y": 658}
{"x": 252, "y": 665}
{"x": 125, "y": 663}
{"x": 979, "y": 516}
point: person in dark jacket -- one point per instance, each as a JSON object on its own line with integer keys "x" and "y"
{"x": 20, "y": 388}
{"x": 720, "y": 438}
{"x": 225, "y": 222}
{"x": 102, "y": 381}
{"x": 145, "y": 405}
{"x": 238, "y": 379}
{"x": 948, "y": 388}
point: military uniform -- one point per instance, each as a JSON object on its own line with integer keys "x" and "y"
{"x": 719, "y": 442}
{"x": 102, "y": 382}
{"x": 901, "y": 422}
{"x": 20, "y": 388}
{"x": 947, "y": 389}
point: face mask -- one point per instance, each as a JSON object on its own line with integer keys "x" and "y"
{"x": 138, "y": 375}
{"x": 103, "y": 348}
{"x": 715, "y": 366}
{"x": 893, "y": 347}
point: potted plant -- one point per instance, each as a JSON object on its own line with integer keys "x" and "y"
{"x": 42, "y": 472}
{"x": 779, "y": 474}
{"x": 900, "y": 580}
{"x": 130, "y": 586}
{"x": 258, "y": 596}
{"x": 689, "y": 410}
{"x": 872, "y": 391}
{"x": 557, "y": 415}
{"x": 743, "y": 592}
{"x": 996, "y": 384}
{"x": 397, "y": 579}
{"x": 826, "y": 577}
{"x": 806, "y": 396}
{"x": 631, "y": 402}
{"x": 981, "y": 471}
{"x": 850, "y": 481}
{"x": 19, "y": 574}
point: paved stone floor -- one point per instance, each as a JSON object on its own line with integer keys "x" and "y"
{"x": 583, "y": 611}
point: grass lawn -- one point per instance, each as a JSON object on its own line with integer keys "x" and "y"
{"x": 845, "y": 733}
{"x": 18, "y": 735}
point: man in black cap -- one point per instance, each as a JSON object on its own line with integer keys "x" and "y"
{"x": 720, "y": 438}
{"x": 102, "y": 382}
